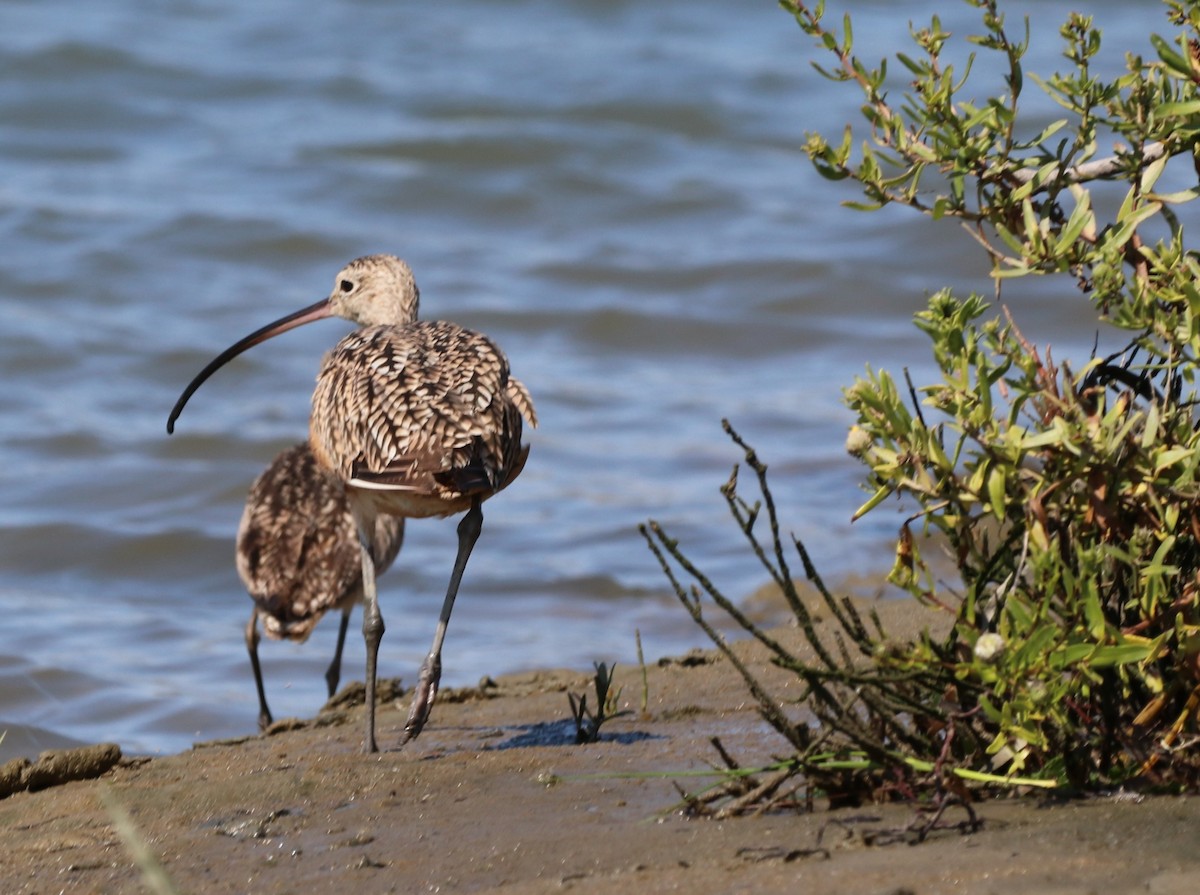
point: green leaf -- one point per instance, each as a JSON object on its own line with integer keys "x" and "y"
{"x": 1033, "y": 228}
{"x": 907, "y": 61}
{"x": 1150, "y": 429}
{"x": 1051, "y": 129}
{"x": 1080, "y": 218}
{"x": 1130, "y": 221}
{"x": 1170, "y": 457}
{"x": 996, "y": 491}
{"x": 1093, "y": 612}
{"x": 1119, "y": 654}
{"x": 1170, "y": 58}
{"x": 1178, "y": 110}
{"x": 1177, "y": 198}
{"x": 876, "y": 499}
{"x": 1152, "y": 173}
{"x": 1052, "y": 436}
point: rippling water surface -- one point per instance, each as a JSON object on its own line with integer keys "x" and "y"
{"x": 613, "y": 190}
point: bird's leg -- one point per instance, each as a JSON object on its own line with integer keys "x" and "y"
{"x": 372, "y": 625}
{"x": 333, "y": 674}
{"x": 264, "y": 713}
{"x": 431, "y": 668}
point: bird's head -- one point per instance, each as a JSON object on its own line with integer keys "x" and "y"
{"x": 375, "y": 289}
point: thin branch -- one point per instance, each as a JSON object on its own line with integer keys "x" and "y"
{"x": 768, "y": 706}
{"x": 1099, "y": 169}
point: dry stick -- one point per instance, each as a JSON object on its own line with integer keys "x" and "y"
{"x": 785, "y": 584}
{"x": 887, "y": 709}
{"x": 672, "y": 547}
{"x": 732, "y": 779}
{"x": 767, "y": 706}
{"x": 912, "y": 395}
{"x": 814, "y": 678}
{"x": 846, "y": 616}
{"x": 886, "y": 702}
{"x": 729, "y": 760}
{"x": 844, "y": 611}
{"x": 719, "y": 598}
{"x": 745, "y": 516}
{"x": 877, "y": 622}
{"x": 834, "y": 714}
{"x": 694, "y": 804}
{"x": 743, "y": 789}
{"x": 737, "y": 782}
{"x": 888, "y": 706}
{"x": 763, "y": 791}
{"x": 851, "y": 620}
{"x": 838, "y": 714}
{"x": 780, "y": 572}
{"x": 637, "y": 634}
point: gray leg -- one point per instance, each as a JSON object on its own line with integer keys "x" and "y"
{"x": 264, "y": 713}
{"x": 431, "y": 669}
{"x": 333, "y": 674}
{"x": 372, "y": 624}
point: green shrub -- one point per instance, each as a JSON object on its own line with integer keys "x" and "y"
{"x": 1067, "y": 495}
{"x": 1069, "y": 503}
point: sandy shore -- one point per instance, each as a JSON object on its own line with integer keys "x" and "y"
{"x": 495, "y": 795}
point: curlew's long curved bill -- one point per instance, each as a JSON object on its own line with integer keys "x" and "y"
{"x": 291, "y": 321}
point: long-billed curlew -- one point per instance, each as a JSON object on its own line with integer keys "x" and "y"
{"x": 298, "y": 555}
{"x": 417, "y": 418}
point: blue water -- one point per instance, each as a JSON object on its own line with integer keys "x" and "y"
{"x": 613, "y": 190}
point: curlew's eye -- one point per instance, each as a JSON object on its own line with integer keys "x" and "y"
{"x": 346, "y": 285}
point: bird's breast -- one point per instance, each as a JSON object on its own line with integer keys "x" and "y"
{"x": 408, "y": 504}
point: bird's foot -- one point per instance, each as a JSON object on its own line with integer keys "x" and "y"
{"x": 423, "y": 696}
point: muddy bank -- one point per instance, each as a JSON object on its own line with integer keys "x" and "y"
{"x": 495, "y": 795}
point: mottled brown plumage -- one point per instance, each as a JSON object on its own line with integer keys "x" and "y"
{"x": 298, "y": 555}
{"x": 419, "y": 418}
{"x": 416, "y": 418}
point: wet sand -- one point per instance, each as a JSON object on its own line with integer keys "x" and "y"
{"x": 496, "y": 796}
